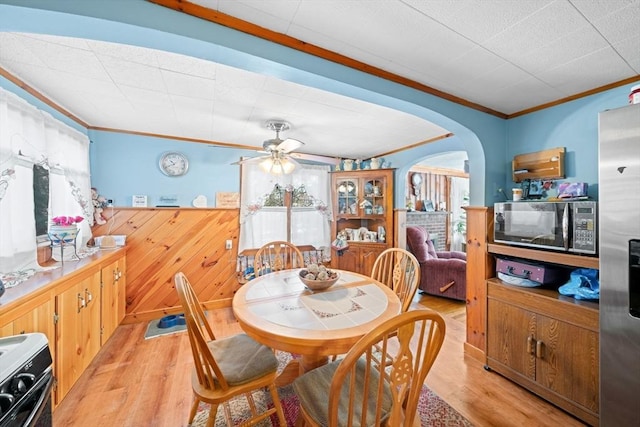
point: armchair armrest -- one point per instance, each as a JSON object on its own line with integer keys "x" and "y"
{"x": 450, "y": 264}
{"x": 452, "y": 255}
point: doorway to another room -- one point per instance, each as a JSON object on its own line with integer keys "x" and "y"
{"x": 437, "y": 189}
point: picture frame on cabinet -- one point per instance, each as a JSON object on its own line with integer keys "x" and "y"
{"x": 428, "y": 206}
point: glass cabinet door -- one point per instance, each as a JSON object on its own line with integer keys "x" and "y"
{"x": 347, "y": 191}
{"x": 374, "y": 192}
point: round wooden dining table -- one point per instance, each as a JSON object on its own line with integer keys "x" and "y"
{"x": 279, "y": 311}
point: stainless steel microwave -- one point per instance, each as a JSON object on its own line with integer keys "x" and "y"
{"x": 569, "y": 226}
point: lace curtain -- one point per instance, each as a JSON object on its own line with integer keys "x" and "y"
{"x": 459, "y": 197}
{"x": 262, "y": 222}
{"x": 29, "y": 136}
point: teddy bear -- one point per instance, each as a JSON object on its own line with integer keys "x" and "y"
{"x": 99, "y": 202}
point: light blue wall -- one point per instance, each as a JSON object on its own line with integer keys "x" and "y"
{"x": 123, "y": 165}
{"x": 573, "y": 125}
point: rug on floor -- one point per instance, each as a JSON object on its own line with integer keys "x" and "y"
{"x": 165, "y": 326}
{"x": 434, "y": 412}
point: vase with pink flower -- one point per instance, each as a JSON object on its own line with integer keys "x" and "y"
{"x": 64, "y": 229}
{"x": 63, "y": 232}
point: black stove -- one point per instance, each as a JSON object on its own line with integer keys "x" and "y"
{"x": 26, "y": 380}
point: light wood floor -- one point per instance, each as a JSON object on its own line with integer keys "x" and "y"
{"x": 138, "y": 382}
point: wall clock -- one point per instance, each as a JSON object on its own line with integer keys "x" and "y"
{"x": 173, "y": 163}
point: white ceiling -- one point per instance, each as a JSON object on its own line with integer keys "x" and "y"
{"x": 504, "y": 55}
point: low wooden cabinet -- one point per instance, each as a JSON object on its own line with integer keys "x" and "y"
{"x": 113, "y": 283}
{"x": 358, "y": 258}
{"x": 78, "y": 330}
{"x": 547, "y": 343}
{"x": 70, "y": 305}
{"x": 40, "y": 318}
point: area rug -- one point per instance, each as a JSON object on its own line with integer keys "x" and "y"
{"x": 165, "y": 326}
{"x": 434, "y": 412}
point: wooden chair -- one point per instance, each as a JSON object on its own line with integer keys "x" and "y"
{"x": 276, "y": 256}
{"x": 358, "y": 391}
{"x": 227, "y": 367}
{"x": 400, "y": 270}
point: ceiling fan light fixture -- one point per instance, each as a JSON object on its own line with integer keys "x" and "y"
{"x": 277, "y": 165}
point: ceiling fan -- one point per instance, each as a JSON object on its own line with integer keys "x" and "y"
{"x": 280, "y": 158}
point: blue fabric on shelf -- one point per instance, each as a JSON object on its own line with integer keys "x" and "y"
{"x": 583, "y": 284}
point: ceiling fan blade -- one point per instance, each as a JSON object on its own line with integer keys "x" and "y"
{"x": 292, "y": 160}
{"x": 250, "y": 160}
{"x": 315, "y": 158}
{"x": 289, "y": 145}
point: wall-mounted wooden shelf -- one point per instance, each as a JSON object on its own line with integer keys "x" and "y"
{"x": 547, "y": 164}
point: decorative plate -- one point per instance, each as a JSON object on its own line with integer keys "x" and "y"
{"x": 368, "y": 188}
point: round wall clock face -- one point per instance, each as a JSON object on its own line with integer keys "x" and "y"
{"x": 174, "y": 164}
{"x": 416, "y": 179}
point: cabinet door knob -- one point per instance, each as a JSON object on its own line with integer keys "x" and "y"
{"x": 540, "y": 349}
{"x": 530, "y": 346}
{"x": 81, "y": 302}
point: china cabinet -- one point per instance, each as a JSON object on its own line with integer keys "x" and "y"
{"x": 363, "y": 209}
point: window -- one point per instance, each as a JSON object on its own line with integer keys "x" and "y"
{"x": 292, "y": 208}
{"x": 44, "y": 172}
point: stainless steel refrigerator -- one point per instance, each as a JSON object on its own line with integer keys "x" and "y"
{"x": 619, "y": 236}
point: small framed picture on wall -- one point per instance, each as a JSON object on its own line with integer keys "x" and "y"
{"x": 139, "y": 201}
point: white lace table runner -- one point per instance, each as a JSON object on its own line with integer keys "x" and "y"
{"x": 282, "y": 301}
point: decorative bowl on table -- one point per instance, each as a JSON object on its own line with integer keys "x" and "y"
{"x": 317, "y": 277}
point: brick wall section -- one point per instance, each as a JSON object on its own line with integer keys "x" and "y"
{"x": 435, "y": 223}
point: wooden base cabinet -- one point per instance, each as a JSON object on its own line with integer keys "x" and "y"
{"x": 547, "y": 343}
{"x": 114, "y": 302}
{"x": 37, "y": 319}
{"x": 358, "y": 257}
{"x": 72, "y": 305}
{"x": 78, "y": 330}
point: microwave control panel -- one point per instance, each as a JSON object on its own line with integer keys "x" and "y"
{"x": 584, "y": 232}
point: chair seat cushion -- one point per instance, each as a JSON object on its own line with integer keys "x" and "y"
{"x": 242, "y": 359}
{"x": 312, "y": 389}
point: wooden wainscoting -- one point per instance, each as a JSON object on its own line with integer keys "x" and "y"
{"x": 480, "y": 267}
{"x": 163, "y": 241}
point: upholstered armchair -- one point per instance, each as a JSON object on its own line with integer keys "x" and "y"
{"x": 442, "y": 273}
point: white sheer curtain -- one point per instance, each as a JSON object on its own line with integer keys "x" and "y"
{"x": 260, "y": 224}
{"x": 459, "y": 197}
{"x": 29, "y": 136}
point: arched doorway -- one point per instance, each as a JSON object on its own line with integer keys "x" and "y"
{"x": 437, "y": 187}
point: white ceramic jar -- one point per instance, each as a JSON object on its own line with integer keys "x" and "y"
{"x": 347, "y": 165}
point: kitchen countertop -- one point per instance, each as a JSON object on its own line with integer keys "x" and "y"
{"x": 44, "y": 281}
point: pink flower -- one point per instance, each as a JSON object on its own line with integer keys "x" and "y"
{"x": 66, "y": 220}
